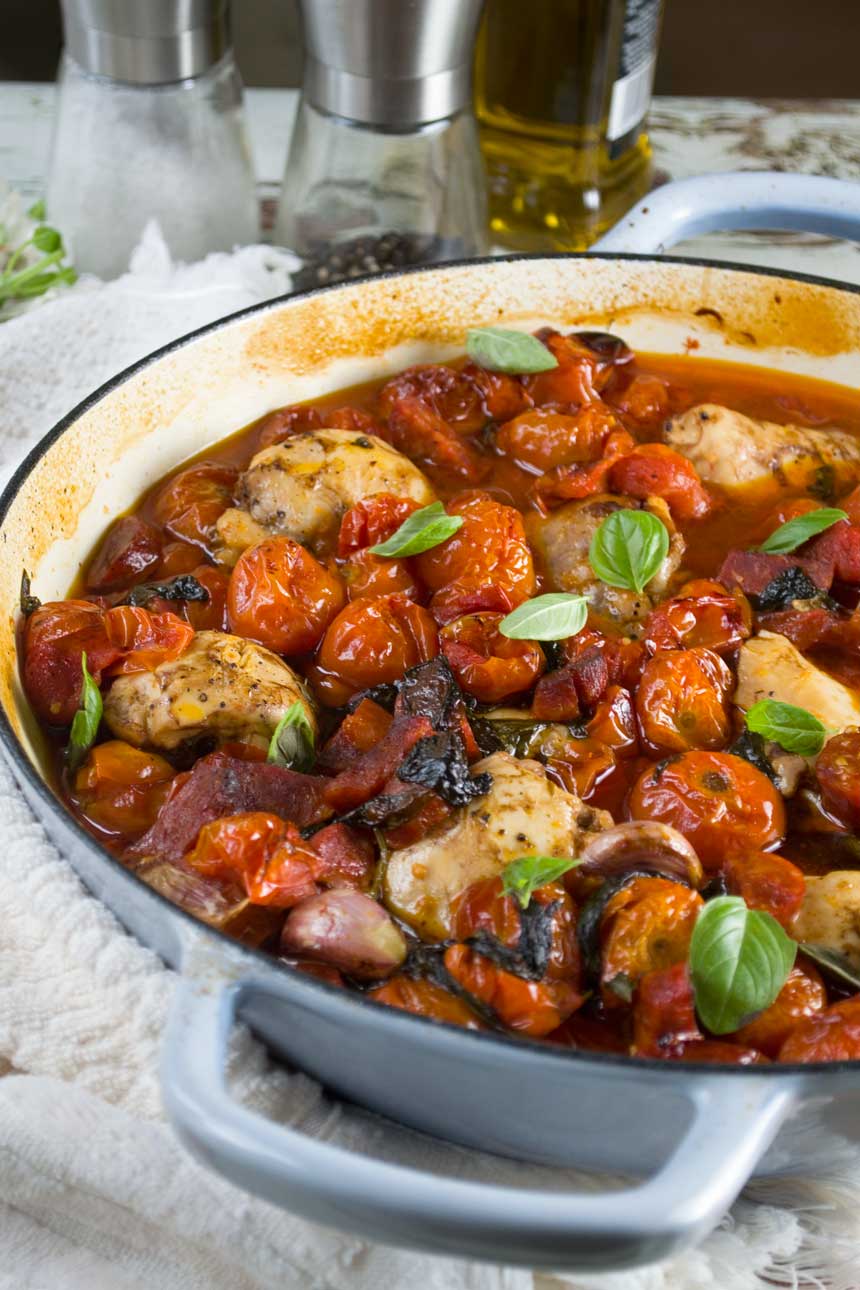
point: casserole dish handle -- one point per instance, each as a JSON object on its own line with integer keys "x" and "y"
{"x": 747, "y": 199}
{"x": 730, "y": 1126}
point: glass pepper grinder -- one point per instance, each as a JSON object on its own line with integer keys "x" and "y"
{"x": 149, "y": 125}
{"x": 384, "y": 167}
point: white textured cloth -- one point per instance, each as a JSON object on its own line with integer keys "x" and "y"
{"x": 95, "y": 1191}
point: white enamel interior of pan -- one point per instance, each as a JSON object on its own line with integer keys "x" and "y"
{"x": 199, "y": 393}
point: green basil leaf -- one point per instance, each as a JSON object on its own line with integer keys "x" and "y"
{"x": 46, "y": 239}
{"x": 794, "y": 729}
{"x": 628, "y": 549}
{"x": 739, "y": 961}
{"x": 500, "y": 350}
{"x": 552, "y": 617}
{"x": 793, "y": 533}
{"x": 833, "y": 964}
{"x": 86, "y": 721}
{"x": 420, "y": 531}
{"x": 292, "y": 744}
{"x": 525, "y": 874}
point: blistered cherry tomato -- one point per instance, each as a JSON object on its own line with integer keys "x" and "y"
{"x": 614, "y": 722}
{"x": 838, "y": 774}
{"x": 644, "y": 400}
{"x": 718, "y": 801}
{"x": 55, "y": 637}
{"x": 803, "y": 995}
{"x": 425, "y": 998}
{"x": 484, "y": 909}
{"x": 702, "y": 614}
{"x": 576, "y": 378}
{"x": 528, "y": 1007}
{"x": 366, "y": 574}
{"x": 490, "y": 549}
{"x": 130, "y": 551}
{"x": 653, "y": 470}
{"x": 371, "y": 641}
{"x": 373, "y": 520}
{"x": 542, "y": 438}
{"x": 284, "y": 422}
{"x": 282, "y": 597}
{"x": 191, "y": 503}
{"x": 576, "y": 480}
{"x": 211, "y": 614}
{"x": 647, "y": 925}
{"x": 664, "y": 1011}
{"x": 766, "y": 882}
{"x": 176, "y": 558}
{"x": 145, "y": 640}
{"x": 582, "y": 765}
{"x": 503, "y": 396}
{"x": 121, "y": 789}
{"x": 683, "y": 701}
{"x": 449, "y": 394}
{"x": 829, "y": 1036}
{"x": 488, "y": 665}
{"x": 263, "y": 852}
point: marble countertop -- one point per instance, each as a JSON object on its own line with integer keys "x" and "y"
{"x": 690, "y": 136}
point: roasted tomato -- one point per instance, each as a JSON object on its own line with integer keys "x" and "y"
{"x": 647, "y": 925}
{"x": 838, "y": 773}
{"x": 547, "y": 924}
{"x": 450, "y": 395}
{"x": 683, "y": 701}
{"x": 131, "y": 550}
{"x": 583, "y": 479}
{"x": 371, "y": 521}
{"x": 766, "y": 882}
{"x": 120, "y": 789}
{"x": 829, "y": 1036}
{"x": 282, "y": 597}
{"x": 371, "y": 641}
{"x": 702, "y": 614}
{"x": 644, "y": 400}
{"x": 425, "y": 998}
{"x": 263, "y": 852}
{"x": 582, "y": 765}
{"x": 488, "y": 665}
{"x": 490, "y": 549}
{"x": 366, "y": 574}
{"x": 531, "y": 1008}
{"x": 718, "y": 801}
{"x": 145, "y": 640}
{"x": 614, "y": 722}
{"x": 190, "y": 505}
{"x": 55, "y": 637}
{"x": 178, "y": 557}
{"x": 359, "y": 731}
{"x": 279, "y": 425}
{"x": 211, "y": 614}
{"x": 575, "y": 380}
{"x": 653, "y": 470}
{"x": 803, "y": 995}
{"x": 541, "y": 438}
{"x": 664, "y": 1011}
{"x": 503, "y": 396}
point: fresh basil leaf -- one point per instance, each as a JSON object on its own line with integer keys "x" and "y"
{"x": 740, "y": 959}
{"x": 552, "y": 617}
{"x": 86, "y": 721}
{"x": 292, "y": 744}
{"x": 794, "y": 729}
{"x": 628, "y": 549}
{"x": 420, "y": 531}
{"x": 525, "y": 874}
{"x": 792, "y": 534}
{"x": 500, "y": 350}
{"x": 832, "y": 964}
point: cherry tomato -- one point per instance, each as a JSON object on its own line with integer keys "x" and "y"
{"x": 766, "y": 882}
{"x": 145, "y": 639}
{"x": 644, "y": 400}
{"x": 282, "y": 597}
{"x": 702, "y": 614}
{"x": 365, "y": 574}
{"x": 829, "y": 1036}
{"x": 262, "y": 851}
{"x": 583, "y": 479}
{"x": 131, "y": 549}
{"x": 582, "y": 766}
{"x": 502, "y": 396}
{"x": 838, "y": 774}
{"x": 653, "y": 470}
{"x": 484, "y": 909}
{"x": 296, "y": 418}
{"x": 574, "y": 380}
{"x": 647, "y": 925}
{"x": 488, "y": 665}
{"x": 55, "y": 637}
{"x": 490, "y": 549}
{"x": 191, "y": 503}
{"x": 803, "y": 995}
{"x": 178, "y": 557}
{"x": 121, "y": 789}
{"x": 449, "y": 394}
{"x": 614, "y": 722}
{"x": 718, "y": 801}
{"x": 359, "y": 731}
{"x": 356, "y": 420}
{"x": 371, "y": 521}
{"x": 371, "y": 641}
{"x": 683, "y": 701}
{"x": 425, "y": 998}
{"x": 542, "y": 438}
{"x": 531, "y": 1008}
{"x": 664, "y": 1011}
{"x": 211, "y": 614}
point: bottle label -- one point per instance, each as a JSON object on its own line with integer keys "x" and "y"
{"x": 631, "y": 93}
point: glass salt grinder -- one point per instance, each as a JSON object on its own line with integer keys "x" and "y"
{"x": 384, "y": 167}
{"x": 149, "y": 125}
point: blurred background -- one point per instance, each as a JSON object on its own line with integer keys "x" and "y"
{"x": 752, "y": 48}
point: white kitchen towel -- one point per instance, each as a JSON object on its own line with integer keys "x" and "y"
{"x": 95, "y": 1191}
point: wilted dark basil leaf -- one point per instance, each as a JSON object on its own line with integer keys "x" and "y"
{"x": 430, "y": 690}
{"x": 832, "y": 964}
{"x": 751, "y": 747}
{"x": 385, "y": 695}
{"x": 387, "y": 810}
{"x": 183, "y": 587}
{"x": 823, "y": 485}
{"x": 439, "y": 762}
{"x": 29, "y": 604}
{"x": 790, "y": 585}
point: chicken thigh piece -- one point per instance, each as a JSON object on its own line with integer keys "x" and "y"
{"x": 830, "y": 914}
{"x": 223, "y": 685}
{"x": 728, "y": 448}
{"x": 524, "y": 813}
{"x": 302, "y": 487}
{"x": 770, "y": 667}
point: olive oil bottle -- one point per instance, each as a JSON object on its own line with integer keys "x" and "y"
{"x": 561, "y": 92}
